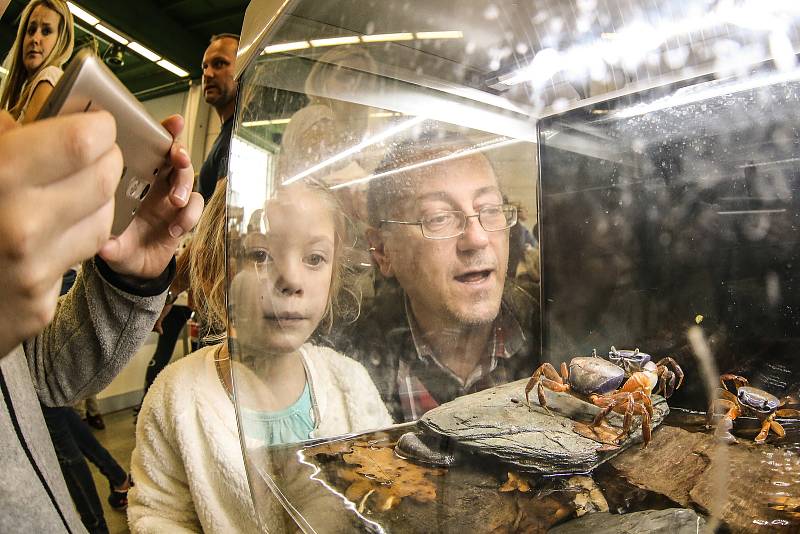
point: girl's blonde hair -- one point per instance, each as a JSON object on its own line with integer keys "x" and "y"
{"x": 16, "y": 92}
{"x": 207, "y": 262}
{"x": 207, "y": 265}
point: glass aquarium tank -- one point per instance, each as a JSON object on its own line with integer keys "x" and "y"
{"x": 517, "y": 266}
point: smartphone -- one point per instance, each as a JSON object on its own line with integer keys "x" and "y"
{"x": 88, "y": 85}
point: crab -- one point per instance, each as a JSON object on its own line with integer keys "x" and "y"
{"x": 747, "y": 400}
{"x": 661, "y": 374}
{"x": 602, "y": 383}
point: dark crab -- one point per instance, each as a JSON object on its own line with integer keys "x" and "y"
{"x": 748, "y": 400}
{"x": 664, "y": 373}
{"x": 601, "y": 383}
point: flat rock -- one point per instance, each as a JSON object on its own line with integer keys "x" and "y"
{"x": 670, "y": 521}
{"x": 497, "y": 422}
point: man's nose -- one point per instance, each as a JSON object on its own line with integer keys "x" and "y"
{"x": 474, "y": 236}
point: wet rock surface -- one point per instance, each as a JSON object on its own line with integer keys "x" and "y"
{"x": 497, "y": 422}
{"x": 759, "y": 480}
{"x": 670, "y": 521}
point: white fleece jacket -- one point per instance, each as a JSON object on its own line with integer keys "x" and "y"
{"x": 188, "y": 464}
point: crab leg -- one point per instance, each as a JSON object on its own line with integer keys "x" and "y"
{"x": 726, "y": 423}
{"x": 637, "y": 382}
{"x": 676, "y": 369}
{"x": 738, "y": 381}
{"x": 765, "y": 425}
{"x": 550, "y": 380}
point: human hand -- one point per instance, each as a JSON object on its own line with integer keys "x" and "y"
{"x": 170, "y": 210}
{"x": 57, "y": 184}
{"x": 159, "y": 326}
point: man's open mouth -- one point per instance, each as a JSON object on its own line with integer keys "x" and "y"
{"x": 474, "y": 277}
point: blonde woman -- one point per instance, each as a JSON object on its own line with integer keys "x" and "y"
{"x": 44, "y": 43}
{"x": 188, "y": 464}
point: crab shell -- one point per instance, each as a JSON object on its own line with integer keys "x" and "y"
{"x": 589, "y": 375}
{"x": 630, "y": 360}
{"x": 758, "y": 400}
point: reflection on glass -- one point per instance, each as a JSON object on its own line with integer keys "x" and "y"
{"x": 643, "y": 157}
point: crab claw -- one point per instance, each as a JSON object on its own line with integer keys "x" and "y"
{"x": 666, "y": 382}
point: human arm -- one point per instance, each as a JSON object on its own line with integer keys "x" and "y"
{"x": 179, "y": 284}
{"x": 72, "y": 165}
{"x": 37, "y": 100}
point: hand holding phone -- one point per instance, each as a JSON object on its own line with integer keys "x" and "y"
{"x": 88, "y": 85}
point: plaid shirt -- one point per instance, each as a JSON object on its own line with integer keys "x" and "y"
{"x": 423, "y": 382}
{"x": 405, "y": 370}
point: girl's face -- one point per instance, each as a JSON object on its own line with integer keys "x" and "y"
{"x": 282, "y": 291}
{"x": 40, "y": 37}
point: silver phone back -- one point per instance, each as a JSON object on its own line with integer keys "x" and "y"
{"x": 88, "y": 85}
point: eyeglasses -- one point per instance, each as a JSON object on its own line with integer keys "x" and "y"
{"x": 449, "y": 224}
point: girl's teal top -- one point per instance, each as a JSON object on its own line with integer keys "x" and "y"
{"x": 289, "y": 425}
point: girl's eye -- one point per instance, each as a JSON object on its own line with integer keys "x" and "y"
{"x": 315, "y": 260}
{"x": 258, "y": 255}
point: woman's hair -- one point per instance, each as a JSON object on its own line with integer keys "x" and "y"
{"x": 207, "y": 265}
{"x": 16, "y": 91}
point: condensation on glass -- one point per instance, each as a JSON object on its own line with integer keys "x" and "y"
{"x": 431, "y": 199}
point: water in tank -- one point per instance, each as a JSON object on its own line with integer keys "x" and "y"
{"x": 516, "y": 266}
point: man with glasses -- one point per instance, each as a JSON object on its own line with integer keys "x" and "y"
{"x": 451, "y": 324}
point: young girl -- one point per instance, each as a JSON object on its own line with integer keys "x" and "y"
{"x": 44, "y": 43}
{"x": 188, "y": 463}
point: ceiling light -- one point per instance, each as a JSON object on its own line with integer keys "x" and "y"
{"x": 455, "y": 34}
{"x": 334, "y": 41}
{"x": 111, "y": 33}
{"x": 82, "y": 14}
{"x": 381, "y": 37}
{"x": 253, "y": 124}
{"x": 139, "y": 49}
{"x": 285, "y": 47}
{"x": 174, "y": 69}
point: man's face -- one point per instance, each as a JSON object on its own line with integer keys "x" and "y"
{"x": 219, "y": 86}
{"x": 457, "y": 281}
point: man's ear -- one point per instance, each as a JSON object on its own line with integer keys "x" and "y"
{"x": 378, "y": 249}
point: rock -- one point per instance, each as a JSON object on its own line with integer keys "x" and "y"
{"x": 686, "y": 454}
{"x": 758, "y": 477}
{"x": 426, "y": 449}
{"x": 497, "y": 422}
{"x": 669, "y": 521}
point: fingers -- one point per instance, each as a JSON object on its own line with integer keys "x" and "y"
{"x": 174, "y": 125}
{"x": 83, "y": 193}
{"x": 85, "y": 238}
{"x": 182, "y": 177}
{"x": 187, "y": 217}
{"x": 68, "y": 144}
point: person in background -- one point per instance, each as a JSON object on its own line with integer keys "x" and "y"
{"x": 44, "y": 43}
{"x": 188, "y": 462}
{"x": 89, "y": 411}
{"x": 219, "y": 90}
